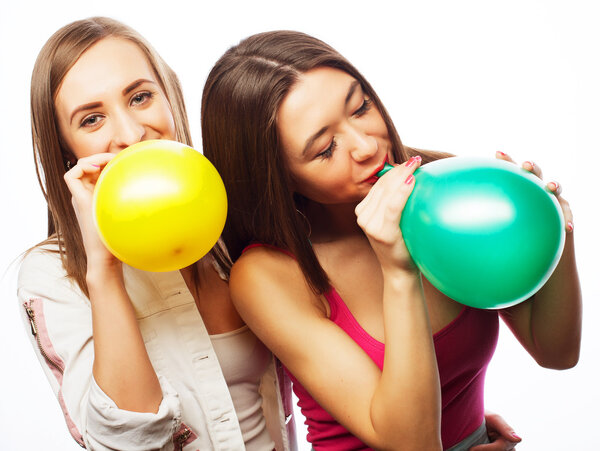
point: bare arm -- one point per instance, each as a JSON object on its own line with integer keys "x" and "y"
{"x": 397, "y": 408}
{"x": 549, "y": 324}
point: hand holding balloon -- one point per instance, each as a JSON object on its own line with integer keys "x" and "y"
{"x": 159, "y": 205}
{"x": 484, "y": 232}
{"x": 554, "y": 187}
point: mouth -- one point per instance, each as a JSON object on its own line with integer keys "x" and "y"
{"x": 373, "y": 177}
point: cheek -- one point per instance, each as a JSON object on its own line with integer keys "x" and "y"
{"x": 324, "y": 186}
{"x": 87, "y": 144}
{"x": 165, "y": 121}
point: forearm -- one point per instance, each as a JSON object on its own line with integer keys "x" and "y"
{"x": 556, "y": 314}
{"x": 121, "y": 367}
{"x": 407, "y": 401}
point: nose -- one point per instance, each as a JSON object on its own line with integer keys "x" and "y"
{"x": 127, "y": 130}
{"x": 363, "y": 145}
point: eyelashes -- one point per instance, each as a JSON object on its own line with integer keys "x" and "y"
{"x": 362, "y": 110}
{"x": 139, "y": 99}
{"x": 329, "y": 151}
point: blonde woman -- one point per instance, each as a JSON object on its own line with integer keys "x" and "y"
{"x": 137, "y": 360}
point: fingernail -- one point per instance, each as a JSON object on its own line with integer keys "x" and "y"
{"x": 530, "y": 164}
{"x": 570, "y": 226}
{"x": 411, "y": 161}
{"x": 95, "y": 165}
{"x": 516, "y": 436}
{"x": 554, "y": 186}
{"x": 501, "y": 153}
{"x": 409, "y": 179}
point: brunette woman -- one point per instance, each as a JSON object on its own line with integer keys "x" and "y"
{"x": 380, "y": 358}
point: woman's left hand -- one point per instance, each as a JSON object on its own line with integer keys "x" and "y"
{"x": 502, "y": 436}
{"x": 554, "y": 187}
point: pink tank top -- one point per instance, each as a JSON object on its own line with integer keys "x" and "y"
{"x": 463, "y": 350}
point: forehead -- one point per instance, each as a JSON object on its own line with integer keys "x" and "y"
{"x": 314, "y": 101}
{"x": 108, "y": 65}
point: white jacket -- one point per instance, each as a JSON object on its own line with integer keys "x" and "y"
{"x": 196, "y": 412}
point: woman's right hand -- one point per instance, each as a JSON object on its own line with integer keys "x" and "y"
{"x": 81, "y": 180}
{"x": 379, "y": 214}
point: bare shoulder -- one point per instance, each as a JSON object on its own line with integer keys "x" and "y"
{"x": 271, "y": 294}
{"x": 267, "y": 272}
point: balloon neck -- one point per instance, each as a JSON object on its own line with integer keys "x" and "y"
{"x": 386, "y": 168}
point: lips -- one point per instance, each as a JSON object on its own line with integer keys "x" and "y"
{"x": 373, "y": 177}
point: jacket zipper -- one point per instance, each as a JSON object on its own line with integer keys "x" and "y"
{"x": 179, "y": 439}
{"x": 182, "y": 438}
{"x": 34, "y": 332}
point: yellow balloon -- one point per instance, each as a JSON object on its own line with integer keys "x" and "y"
{"x": 159, "y": 205}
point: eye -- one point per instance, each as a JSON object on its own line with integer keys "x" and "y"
{"x": 329, "y": 151}
{"x": 366, "y": 106}
{"x": 141, "y": 98}
{"x": 91, "y": 121}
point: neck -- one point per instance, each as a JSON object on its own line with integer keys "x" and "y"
{"x": 332, "y": 222}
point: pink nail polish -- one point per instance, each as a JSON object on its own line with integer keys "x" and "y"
{"x": 95, "y": 165}
{"x": 570, "y": 226}
{"x": 554, "y": 186}
{"x": 516, "y": 436}
{"x": 411, "y": 161}
{"x": 501, "y": 153}
{"x": 409, "y": 179}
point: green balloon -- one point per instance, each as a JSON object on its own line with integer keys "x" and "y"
{"x": 484, "y": 232}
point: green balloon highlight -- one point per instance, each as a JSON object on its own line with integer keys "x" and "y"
{"x": 484, "y": 232}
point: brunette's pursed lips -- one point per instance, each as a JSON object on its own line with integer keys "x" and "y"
{"x": 373, "y": 177}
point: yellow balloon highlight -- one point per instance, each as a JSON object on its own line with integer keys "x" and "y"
{"x": 159, "y": 205}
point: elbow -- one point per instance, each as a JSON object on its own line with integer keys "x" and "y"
{"x": 426, "y": 440}
{"x": 421, "y": 446}
{"x": 562, "y": 361}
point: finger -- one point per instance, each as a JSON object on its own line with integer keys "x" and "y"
{"x": 567, "y": 214}
{"x": 497, "y": 445}
{"x": 533, "y": 168}
{"x": 555, "y": 187}
{"x": 100, "y": 159}
{"x": 502, "y": 156}
{"x": 362, "y": 204}
{"x": 496, "y": 424}
{"x": 82, "y": 176}
{"x": 383, "y": 184}
{"x": 383, "y": 206}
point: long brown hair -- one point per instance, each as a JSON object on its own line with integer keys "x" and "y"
{"x": 240, "y": 102}
{"x": 55, "y": 59}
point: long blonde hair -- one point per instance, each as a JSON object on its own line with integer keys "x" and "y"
{"x": 51, "y": 155}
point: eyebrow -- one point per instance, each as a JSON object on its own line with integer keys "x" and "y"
{"x": 90, "y": 106}
{"x": 87, "y": 106}
{"x": 135, "y": 84}
{"x": 310, "y": 141}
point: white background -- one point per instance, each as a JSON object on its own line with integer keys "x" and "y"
{"x": 469, "y": 77}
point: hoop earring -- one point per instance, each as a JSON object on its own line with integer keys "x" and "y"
{"x": 68, "y": 165}
{"x": 306, "y": 221}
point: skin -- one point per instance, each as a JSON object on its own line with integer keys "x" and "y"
{"x": 108, "y": 100}
{"x": 333, "y": 141}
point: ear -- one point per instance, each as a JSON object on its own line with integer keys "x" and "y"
{"x": 68, "y": 158}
